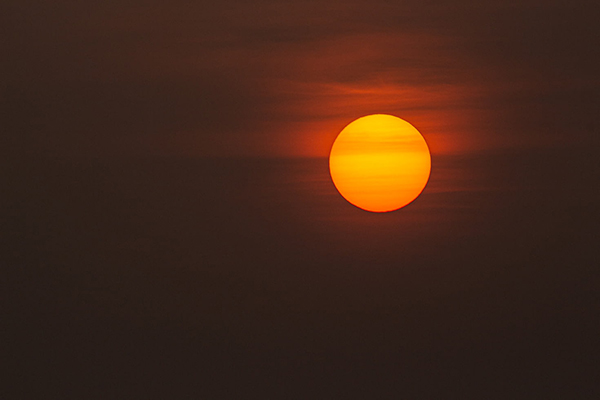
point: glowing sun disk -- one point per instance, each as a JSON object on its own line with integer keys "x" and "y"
{"x": 380, "y": 163}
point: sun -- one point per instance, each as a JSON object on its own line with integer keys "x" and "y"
{"x": 380, "y": 163}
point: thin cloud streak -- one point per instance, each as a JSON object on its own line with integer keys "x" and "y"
{"x": 281, "y": 79}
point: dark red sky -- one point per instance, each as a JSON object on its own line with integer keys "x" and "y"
{"x": 164, "y": 237}
{"x": 282, "y": 78}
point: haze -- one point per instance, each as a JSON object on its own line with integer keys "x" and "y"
{"x": 170, "y": 229}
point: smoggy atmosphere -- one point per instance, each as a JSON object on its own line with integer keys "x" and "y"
{"x": 170, "y": 229}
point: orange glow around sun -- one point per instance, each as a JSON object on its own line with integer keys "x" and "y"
{"x": 380, "y": 163}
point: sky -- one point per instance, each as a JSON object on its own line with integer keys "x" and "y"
{"x": 280, "y": 79}
{"x": 170, "y": 228}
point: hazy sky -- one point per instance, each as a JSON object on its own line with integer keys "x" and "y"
{"x": 283, "y": 78}
{"x": 207, "y": 275}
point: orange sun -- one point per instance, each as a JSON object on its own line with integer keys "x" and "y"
{"x": 380, "y": 163}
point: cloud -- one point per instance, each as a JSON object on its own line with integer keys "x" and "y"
{"x": 281, "y": 78}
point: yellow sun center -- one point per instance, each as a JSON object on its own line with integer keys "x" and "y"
{"x": 380, "y": 163}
